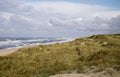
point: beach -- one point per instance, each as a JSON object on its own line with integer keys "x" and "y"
{"x": 5, "y": 52}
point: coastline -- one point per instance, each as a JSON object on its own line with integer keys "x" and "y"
{"x": 81, "y": 57}
{"x": 5, "y": 52}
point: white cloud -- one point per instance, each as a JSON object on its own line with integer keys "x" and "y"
{"x": 56, "y": 19}
{"x": 107, "y": 14}
{"x": 6, "y": 15}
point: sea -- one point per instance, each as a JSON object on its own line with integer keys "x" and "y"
{"x": 18, "y": 42}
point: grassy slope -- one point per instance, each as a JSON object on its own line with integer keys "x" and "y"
{"x": 101, "y": 51}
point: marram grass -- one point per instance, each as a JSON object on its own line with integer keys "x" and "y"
{"x": 101, "y": 51}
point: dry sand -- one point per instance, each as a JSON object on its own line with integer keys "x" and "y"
{"x": 100, "y": 74}
{"x": 108, "y": 72}
{"x": 6, "y": 52}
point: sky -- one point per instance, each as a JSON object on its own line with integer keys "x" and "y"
{"x": 110, "y": 3}
{"x": 58, "y": 18}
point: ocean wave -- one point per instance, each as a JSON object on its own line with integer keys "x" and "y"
{"x": 8, "y": 43}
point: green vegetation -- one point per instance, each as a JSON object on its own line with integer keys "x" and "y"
{"x": 100, "y": 51}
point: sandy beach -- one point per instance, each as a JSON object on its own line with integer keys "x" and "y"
{"x": 6, "y": 52}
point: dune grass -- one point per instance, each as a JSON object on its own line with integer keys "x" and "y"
{"x": 101, "y": 51}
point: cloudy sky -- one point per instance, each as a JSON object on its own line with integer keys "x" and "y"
{"x": 58, "y": 18}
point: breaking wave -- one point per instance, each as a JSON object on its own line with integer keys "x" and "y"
{"x": 8, "y": 43}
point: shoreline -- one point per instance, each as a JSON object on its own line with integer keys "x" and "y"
{"x": 5, "y": 52}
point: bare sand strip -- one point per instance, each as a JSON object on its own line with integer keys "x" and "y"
{"x": 108, "y": 72}
{"x": 99, "y": 74}
{"x": 6, "y": 52}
